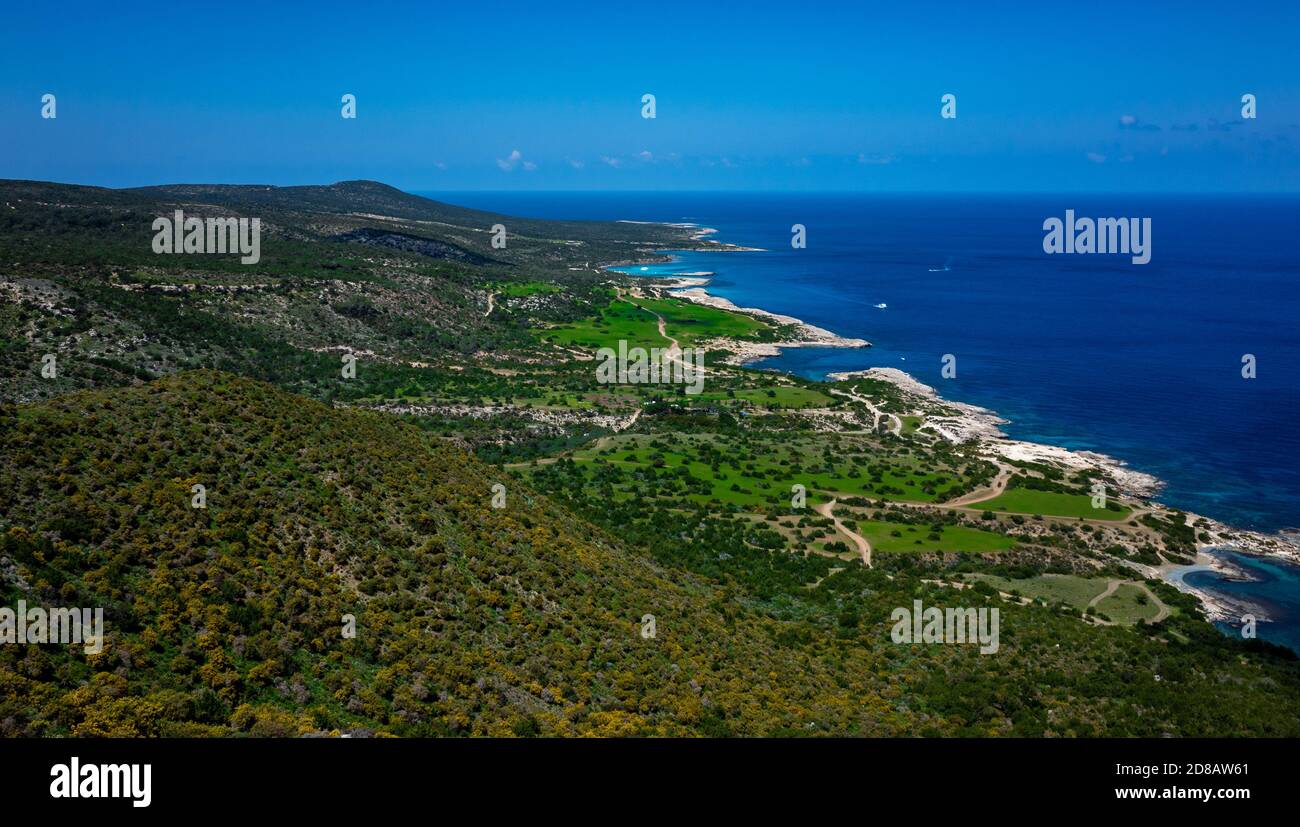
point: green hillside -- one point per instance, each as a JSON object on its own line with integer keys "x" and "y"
{"x": 469, "y": 619}
{"x": 522, "y": 620}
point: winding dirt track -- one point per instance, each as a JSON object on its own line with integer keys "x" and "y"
{"x": 995, "y": 489}
{"x": 673, "y": 346}
{"x": 827, "y": 510}
{"x": 1162, "y": 611}
{"x": 896, "y": 429}
{"x": 1112, "y": 586}
{"x": 967, "y": 502}
{"x": 674, "y": 352}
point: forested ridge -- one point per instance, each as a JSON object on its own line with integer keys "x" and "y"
{"x": 470, "y": 619}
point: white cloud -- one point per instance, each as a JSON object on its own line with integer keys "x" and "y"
{"x": 613, "y": 162}
{"x": 1096, "y": 157}
{"x": 512, "y": 160}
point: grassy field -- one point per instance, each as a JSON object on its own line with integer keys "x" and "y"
{"x": 779, "y": 396}
{"x": 1065, "y": 588}
{"x": 688, "y": 323}
{"x": 1129, "y": 604}
{"x": 619, "y": 321}
{"x": 769, "y": 474}
{"x": 726, "y": 485}
{"x": 1050, "y": 503}
{"x": 886, "y": 536}
{"x": 519, "y": 289}
{"x": 567, "y": 400}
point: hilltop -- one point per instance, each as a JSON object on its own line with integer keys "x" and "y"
{"x": 354, "y": 267}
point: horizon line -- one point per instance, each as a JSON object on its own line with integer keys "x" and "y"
{"x": 686, "y": 191}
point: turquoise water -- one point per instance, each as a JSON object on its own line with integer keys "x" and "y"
{"x": 1274, "y": 587}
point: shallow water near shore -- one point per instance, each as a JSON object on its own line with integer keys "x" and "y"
{"x": 1274, "y": 587}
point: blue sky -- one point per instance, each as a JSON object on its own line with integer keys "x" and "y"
{"x": 764, "y": 96}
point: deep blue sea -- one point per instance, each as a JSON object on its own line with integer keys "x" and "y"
{"x": 1141, "y": 362}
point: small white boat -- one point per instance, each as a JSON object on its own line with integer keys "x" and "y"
{"x": 880, "y": 306}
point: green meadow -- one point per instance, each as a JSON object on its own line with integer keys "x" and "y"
{"x": 902, "y": 537}
{"x": 688, "y": 323}
{"x": 1128, "y": 605}
{"x": 618, "y": 321}
{"x": 911, "y": 423}
{"x": 1050, "y": 503}
{"x": 519, "y": 289}
{"x": 777, "y": 396}
{"x": 1073, "y": 591}
{"x": 719, "y": 471}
